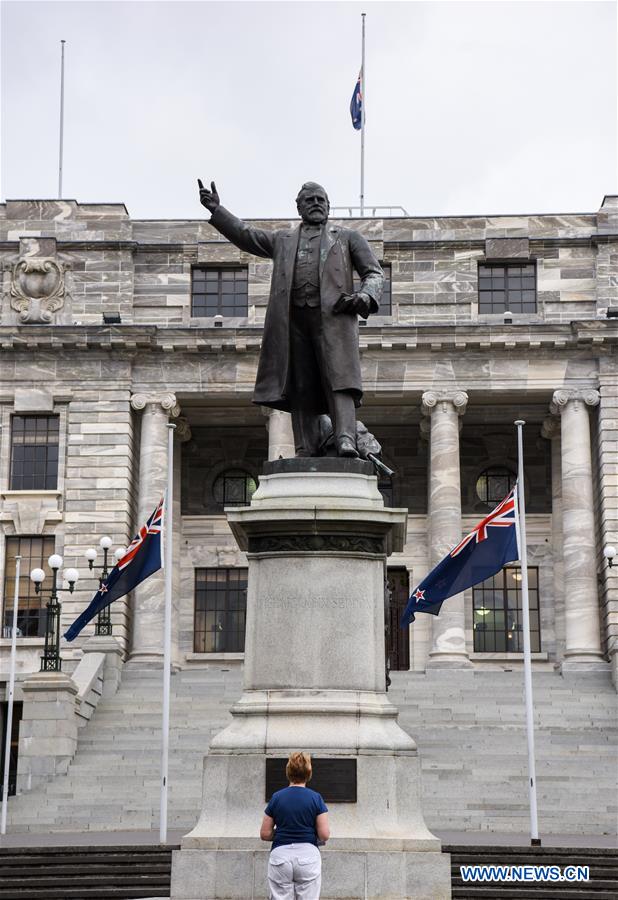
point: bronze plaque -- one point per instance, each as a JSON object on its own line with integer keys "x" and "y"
{"x": 334, "y": 779}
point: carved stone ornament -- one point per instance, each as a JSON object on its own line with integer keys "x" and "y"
{"x": 167, "y": 401}
{"x": 37, "y": 288}
{"x": 589, "y": 396}
{"x": 430, "y": 400}
{"x": 550, "y": 428}
{"x": 183, "y": 430}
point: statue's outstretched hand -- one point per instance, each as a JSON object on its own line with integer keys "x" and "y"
{"x": 356, "y": 304}
{"x": 209, "y": 198}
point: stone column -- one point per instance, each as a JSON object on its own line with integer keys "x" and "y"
{"x": 280, "y": 436}
{"x": 583, "y": 637}
{"x": 550, "y": 430}
{"x": 148, "y": 597}
{"x": 182, "y": 435}
{"x": 444, "y": 408}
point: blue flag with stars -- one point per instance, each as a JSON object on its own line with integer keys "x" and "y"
{"x": 142, "y": 558}
{"x": 489, "y": 546}
{"x": 356, "y": 105}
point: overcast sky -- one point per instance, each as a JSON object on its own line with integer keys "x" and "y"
{"x": 480, "y": 107}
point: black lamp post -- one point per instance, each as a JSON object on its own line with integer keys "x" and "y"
{"x": 51, "y": 661}
{"x": 104, "y": 619}
{"x": 609, "y": 553}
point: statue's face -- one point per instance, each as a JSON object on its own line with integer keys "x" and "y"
{"x": 313, "y": 207}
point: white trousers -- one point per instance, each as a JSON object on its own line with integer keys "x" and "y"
{"x": 295, "y": 872}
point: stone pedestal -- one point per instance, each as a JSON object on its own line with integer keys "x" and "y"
{"x": 48, "y": 729}
{"x": 317, "y": 536}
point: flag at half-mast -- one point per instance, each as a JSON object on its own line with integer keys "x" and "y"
{"x": 144, "y": 557}
{"x": 489, "y": 546}
{"x": 356, "y": 103}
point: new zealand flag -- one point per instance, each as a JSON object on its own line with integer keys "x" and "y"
{"x": 144, "y": 556}
{"x": 489, "y": 546}
{"x": 356, "y": 105}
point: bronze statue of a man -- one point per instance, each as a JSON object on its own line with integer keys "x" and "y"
{"x": 309, "y": 363}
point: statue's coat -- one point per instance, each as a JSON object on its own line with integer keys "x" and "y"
{"x": 342, "y": 250}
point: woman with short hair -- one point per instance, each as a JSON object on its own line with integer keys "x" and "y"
{"x": 295, "y": 820}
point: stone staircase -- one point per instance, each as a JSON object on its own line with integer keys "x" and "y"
{"x": 124, "y": 872}
{"x": 469, "y": 727}
{"x": 96, "y": 873}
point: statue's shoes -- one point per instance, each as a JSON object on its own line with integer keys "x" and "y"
{"x": 345, "y": 447}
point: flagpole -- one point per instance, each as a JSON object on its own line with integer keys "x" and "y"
{"x": 61, "y": 148}
{"x": 523, "y": 558}
{"x": 9, "y": 714}
{"x": 167, "y": 633}
{"x": 363, "y": 101}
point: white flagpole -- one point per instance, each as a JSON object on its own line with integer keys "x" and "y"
{"x": 167, "y": 632}
{"x": 363, "y": 100}
{"x": 61, "y": 148}
{"x": 523, "y": 558}
{"x": 9, "y": 715}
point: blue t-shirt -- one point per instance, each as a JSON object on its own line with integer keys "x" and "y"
{"x": 294, "y": 810}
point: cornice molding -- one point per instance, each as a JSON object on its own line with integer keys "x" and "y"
{"x": 594, "y": 334}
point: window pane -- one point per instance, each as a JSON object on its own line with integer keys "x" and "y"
{"x": 31, "y": 610}
{"x": 496, "y": 610}
{"x": 34, "y": 452}
{"x": 493, "y": 485}
{"x": 221, "y": 291}
{"x": 220, "y": 610}
{"x": 507, "y": 283}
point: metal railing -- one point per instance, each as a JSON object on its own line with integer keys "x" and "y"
{"x": 355, "y": 211}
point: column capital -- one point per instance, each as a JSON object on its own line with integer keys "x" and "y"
{"x": 550, "y": 428}
{"x": 183, "y": 430}
{"x": 425, "y": 426}
{"x": 430, "y": 400}
{"x": 166, "y": 400}
{"x": 561, "y": 397}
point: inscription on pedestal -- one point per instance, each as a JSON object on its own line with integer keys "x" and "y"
{"x": 324, "y": 603}
{"x": 334, "y": 779}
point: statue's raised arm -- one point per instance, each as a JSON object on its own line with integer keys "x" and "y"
{"x": 209, "y": 198}
{"x": 309, "y": 361}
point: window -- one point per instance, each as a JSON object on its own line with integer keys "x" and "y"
{"x": 18, "y": 709}
{"x": 397, "y": 638}
{"x": 219, "y": 292}
{"x": 493, "y": 485}
{"x": 220, "y": 610}
{"x": 498, "y": 616}
{"x": 507, "y": 286}
{"x": 386, "y": 304}
{"x": 34, "y": 453}
{"x": 234, "y": 488}
{"x": 31, "y": 608}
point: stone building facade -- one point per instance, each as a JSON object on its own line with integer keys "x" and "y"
{"x": 487, "y": 320}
